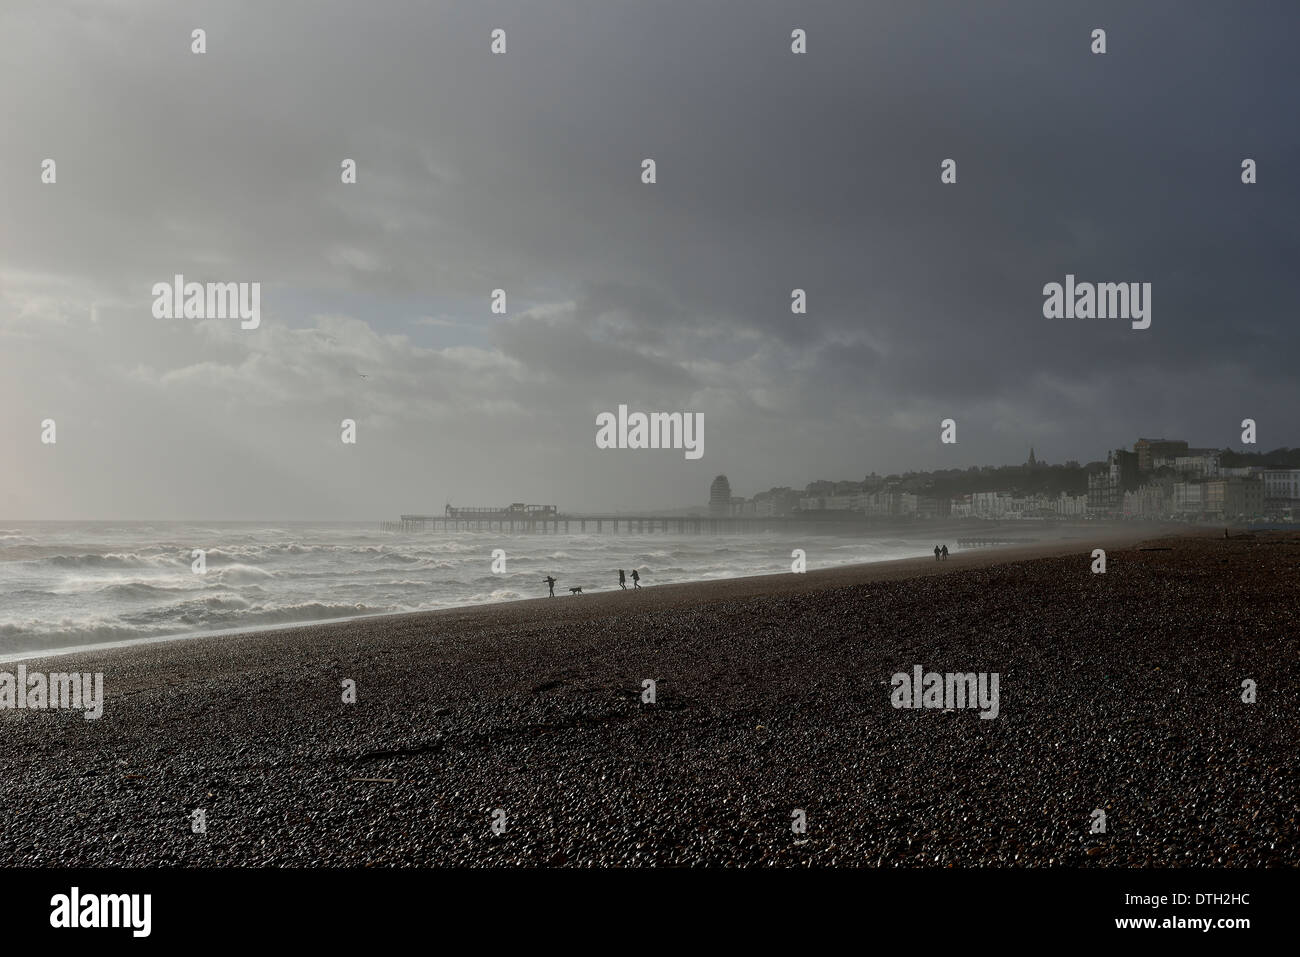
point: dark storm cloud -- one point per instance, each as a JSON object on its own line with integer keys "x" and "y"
{"x": 522, "y": 172}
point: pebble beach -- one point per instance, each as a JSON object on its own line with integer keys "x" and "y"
{"x": 519, "y": 734}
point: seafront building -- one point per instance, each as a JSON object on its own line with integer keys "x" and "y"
{"x": 1148, "y": 450}
{"x": 1203, "y": 463}
{"x": 1106, "y": 488}
{"x": 1233, "y": 498}
{"x": 720, "y": 496}
{"x": 1159, "y": 479}
{"x": 1281, "y": 489}
{"x": 1148, "y": 501}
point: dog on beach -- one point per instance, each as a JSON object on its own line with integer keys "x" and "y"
{"x": 576, "y": 591}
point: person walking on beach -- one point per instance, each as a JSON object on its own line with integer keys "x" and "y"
{"x": 622, "y": 579}
{"x": 936, "y": 553}
{"x": 636, "y": 579}
{"x": 945, "y": 553}
{"x": 550, "y": 583}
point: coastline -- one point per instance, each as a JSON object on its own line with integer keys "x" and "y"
{"x": 1106, "y": 535}
{"x": 773, "y": 694}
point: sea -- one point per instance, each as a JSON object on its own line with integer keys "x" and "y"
{"x": 67, "y": 585}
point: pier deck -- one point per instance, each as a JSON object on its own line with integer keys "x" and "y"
{"x": 614, "y": 524}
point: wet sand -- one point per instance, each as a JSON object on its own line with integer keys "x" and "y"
{"x": 1119, "y": 691}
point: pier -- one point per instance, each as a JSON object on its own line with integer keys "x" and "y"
{"x": 521, "y": 519}
{"x": 557, "y": 524}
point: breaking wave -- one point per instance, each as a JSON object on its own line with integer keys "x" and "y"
{"x": 70, "y": 584}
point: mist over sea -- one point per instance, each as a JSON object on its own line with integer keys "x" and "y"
{"x": 66, "y": 584}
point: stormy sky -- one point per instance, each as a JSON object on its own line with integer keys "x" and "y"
{"x": 522, "y": 171}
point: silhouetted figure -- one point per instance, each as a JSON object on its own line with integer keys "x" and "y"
{"x": 575, "y": 590}
{"x": 936, "y": 553}
{"x": 945, "y": 553}
{"x": 636, "y": 579}
{"x": 622, "y": 579}
{"x": 550, "y": 583}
